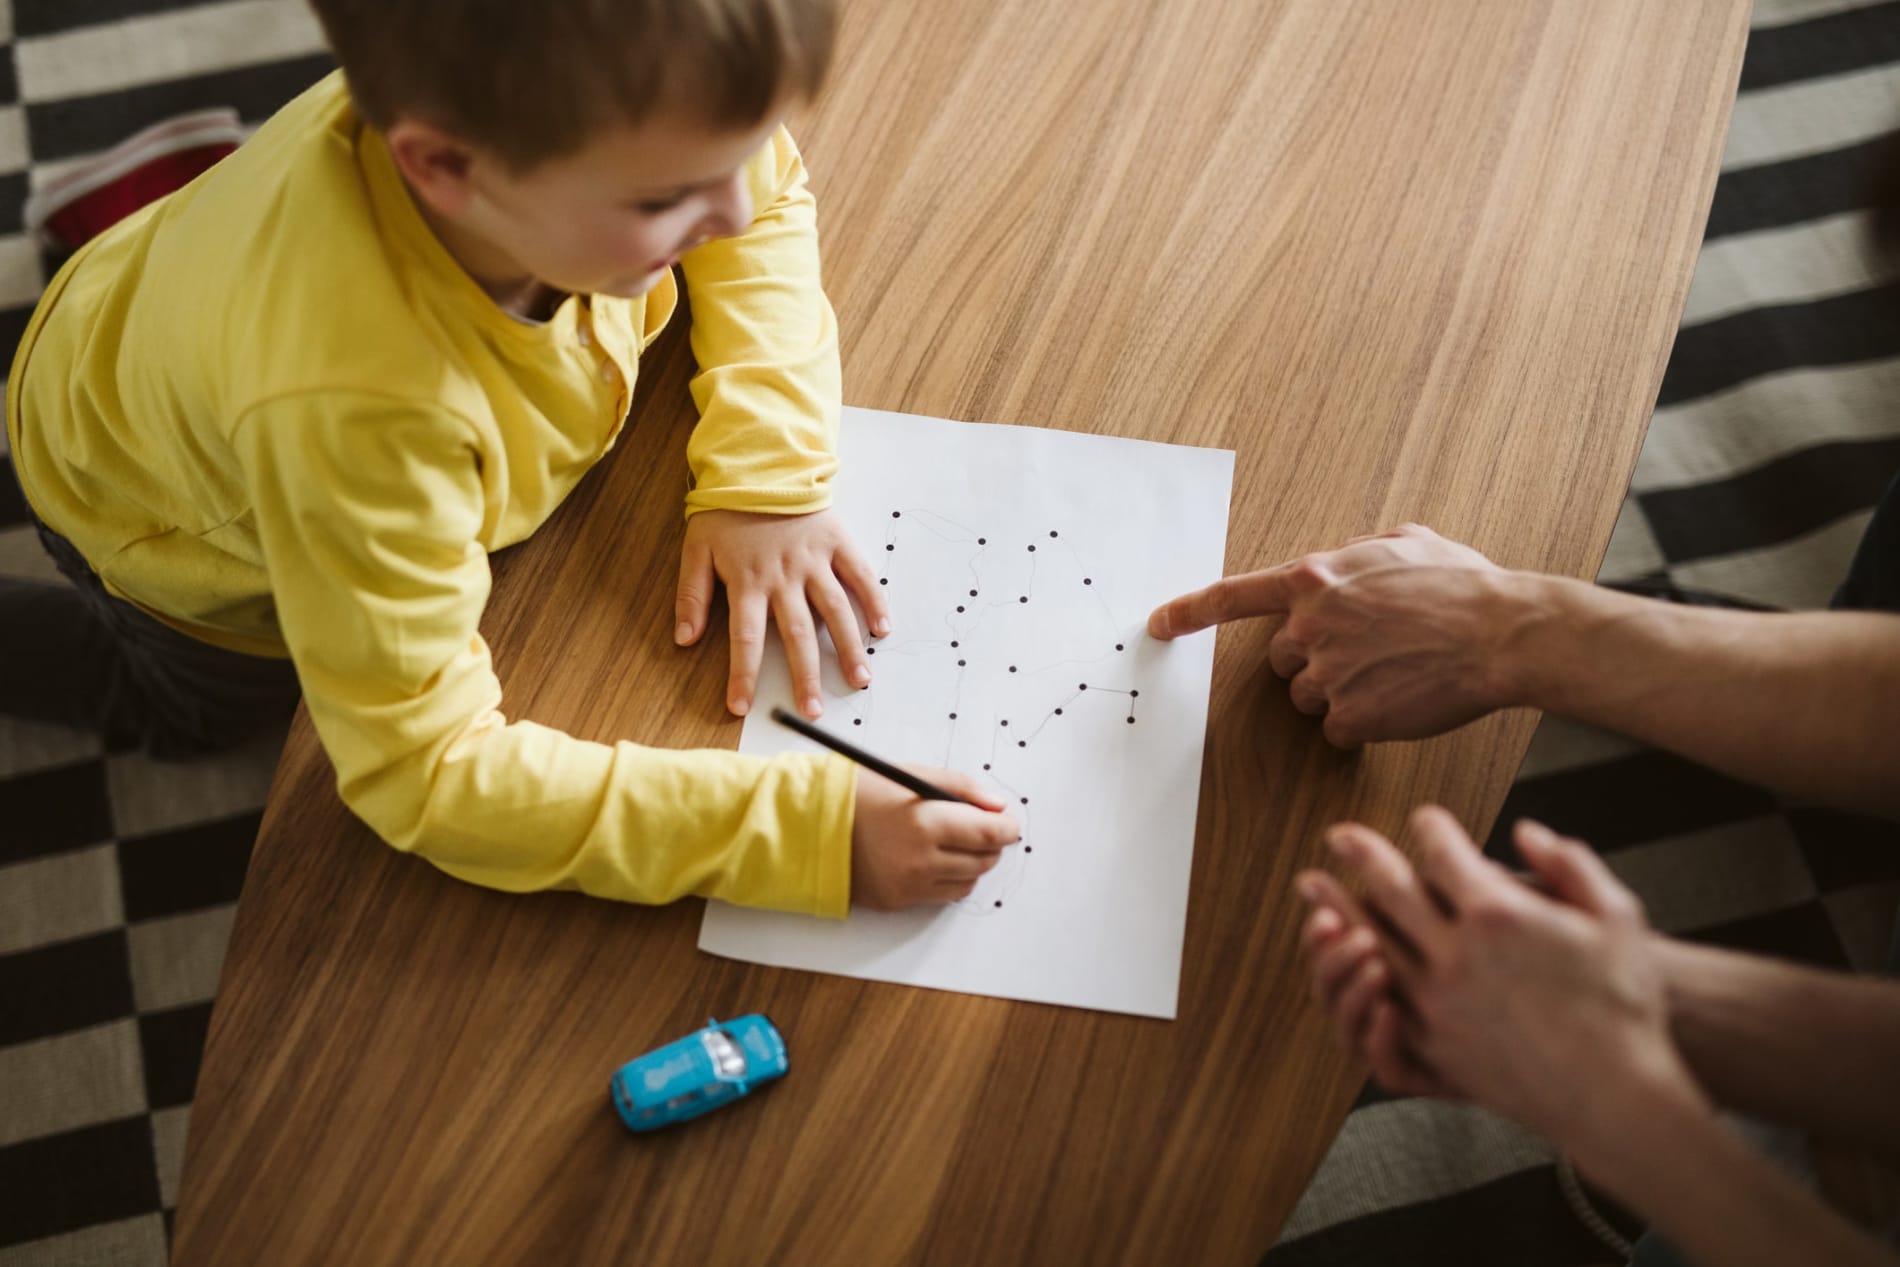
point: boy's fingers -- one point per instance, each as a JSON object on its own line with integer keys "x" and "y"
{"x": 969, "y": 787}
{"x": 748, "y": 648}
{"x": 978, "y": 831}
{"x": 796, "y": 631}
{"x": 694, "y": 597}
{"x": 849, "y": 566}
{"x": 829, "y": 601}
{"x": 1231, "y": 598}
{"x": 962, "y": 868}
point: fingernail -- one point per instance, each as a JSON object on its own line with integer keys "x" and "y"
{"x": 1339, "y": 842}
{"x": 861, "y": 674}
{"x": 1535, "y": 832}
{"x": 740, "y": 707}
{"x": 881, "y": 627}
{"x": 1309, "y": 888}
{"x": 813, "y": 706}
{"x": 1158, "y": 623}
{"x": 683, "y": 632}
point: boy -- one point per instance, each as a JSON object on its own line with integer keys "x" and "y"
{"x": 289, "y": 410}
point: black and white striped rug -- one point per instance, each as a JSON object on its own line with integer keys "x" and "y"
{"x": 1774, "y": 433}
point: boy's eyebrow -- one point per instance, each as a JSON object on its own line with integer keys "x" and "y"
{"x": 675, "y": 191}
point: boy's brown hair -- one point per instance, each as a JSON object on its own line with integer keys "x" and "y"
{"x": 532, "y": 79}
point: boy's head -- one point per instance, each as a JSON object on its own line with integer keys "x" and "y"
{"x": 531, "y": 80}
{"x": 581, "y": 141}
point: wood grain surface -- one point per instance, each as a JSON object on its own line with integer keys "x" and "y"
{"x": 1410, "y": 259}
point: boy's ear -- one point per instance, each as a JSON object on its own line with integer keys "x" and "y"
{"x": 437, "y": 165}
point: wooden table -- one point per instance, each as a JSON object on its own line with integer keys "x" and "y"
{"x": 1411, "y": 259}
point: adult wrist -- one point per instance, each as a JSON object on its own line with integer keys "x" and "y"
{"x": 1631, "y": 1120}
{"x": 1528, "y": 612}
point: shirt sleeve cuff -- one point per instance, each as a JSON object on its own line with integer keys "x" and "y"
{"x": 837, "y": 795}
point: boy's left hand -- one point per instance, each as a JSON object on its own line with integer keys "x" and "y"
{"x": 792, "y": 566}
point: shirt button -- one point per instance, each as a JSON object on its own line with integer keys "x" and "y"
{"x": 609, "y": 372}
{"x": 586, "y": 337}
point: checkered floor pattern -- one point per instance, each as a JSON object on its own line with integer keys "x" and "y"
{"x": 1775, "y": 430}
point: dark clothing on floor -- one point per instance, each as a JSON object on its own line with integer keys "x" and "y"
{"x": 76, "y": 655}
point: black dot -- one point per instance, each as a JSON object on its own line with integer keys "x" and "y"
{"x": 953, "y": 717}
{"x": 1133, "y": 694}
{"x": 1058, "y": 712}
{"x": 972, "y": 593}
{"x": 857, "y": 721}
{"x": 1082, "y": 686}
{"x": 962, "y": 663}
{"x": 986, "y": 765}
{"x": 1052, "y": 532}
{"x": 959, "y": 609}
{"x": 1005, "y": 721}
{"x": 1012, "y": 668}
{"x": 1088, "y": 580}
{"x": 982, "y": 541}
{"x": 1029, "y": 849}
{"x": 1118, "y": 646}
{"x": 890, "y": 547}
{"x": 1022, "y": 743}
{"x": 1131, "y": 721}
{"x": 954, "y": 643}
{"x": 999, "y": 905}
{"x": 1032, "y": 549}
{"x": 1025, "y": 800}
{"x": 870, "y": 651}
{"x": 883, "y": 581}
{"x": 1023, "y": 599}
{"x": 895, "y": 515}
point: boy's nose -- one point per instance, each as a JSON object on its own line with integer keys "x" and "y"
{"x": 730, "y": 210}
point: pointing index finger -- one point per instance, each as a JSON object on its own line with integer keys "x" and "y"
{"x": 1262, "y": 593}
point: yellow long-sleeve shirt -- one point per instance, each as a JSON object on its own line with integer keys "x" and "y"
{"x": 272, "y": 411}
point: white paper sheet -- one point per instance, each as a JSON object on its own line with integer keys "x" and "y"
{"x": 1020, "y": 565}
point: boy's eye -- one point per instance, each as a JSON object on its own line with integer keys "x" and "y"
{"x": 655, "y": 206}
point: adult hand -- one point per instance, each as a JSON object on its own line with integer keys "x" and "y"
{"x": 1394, "y": 636}
{"x": 1455, "y": 978}
{"x": 908, "y": 851}
{"x": 791, "y": 566}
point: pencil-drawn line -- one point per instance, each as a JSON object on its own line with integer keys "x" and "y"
{"x": 936, "y": 524}
{"x": 1052, "y": 714}
{"x": 1064, "y": 663}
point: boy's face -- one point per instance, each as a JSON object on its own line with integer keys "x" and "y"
{"x": 608, "y": 219}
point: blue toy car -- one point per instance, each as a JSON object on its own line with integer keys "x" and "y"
{"x": 698, "y": 1073}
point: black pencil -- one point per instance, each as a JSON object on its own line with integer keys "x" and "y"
{"x": 904, "y": 778}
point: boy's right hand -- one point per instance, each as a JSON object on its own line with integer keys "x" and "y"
{"x": 908, "y": 851}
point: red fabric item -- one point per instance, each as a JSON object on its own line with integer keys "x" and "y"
{"x": 83, "y": 199}
{"x": 79, "y": 221}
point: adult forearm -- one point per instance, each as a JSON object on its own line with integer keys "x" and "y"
{"x": 1806, "y": 703}
{"x": 1697, "y": 1182}
{"x": 1804, "y": 1047}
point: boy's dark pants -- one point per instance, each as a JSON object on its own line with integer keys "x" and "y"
{"x": 80, "y": 657}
